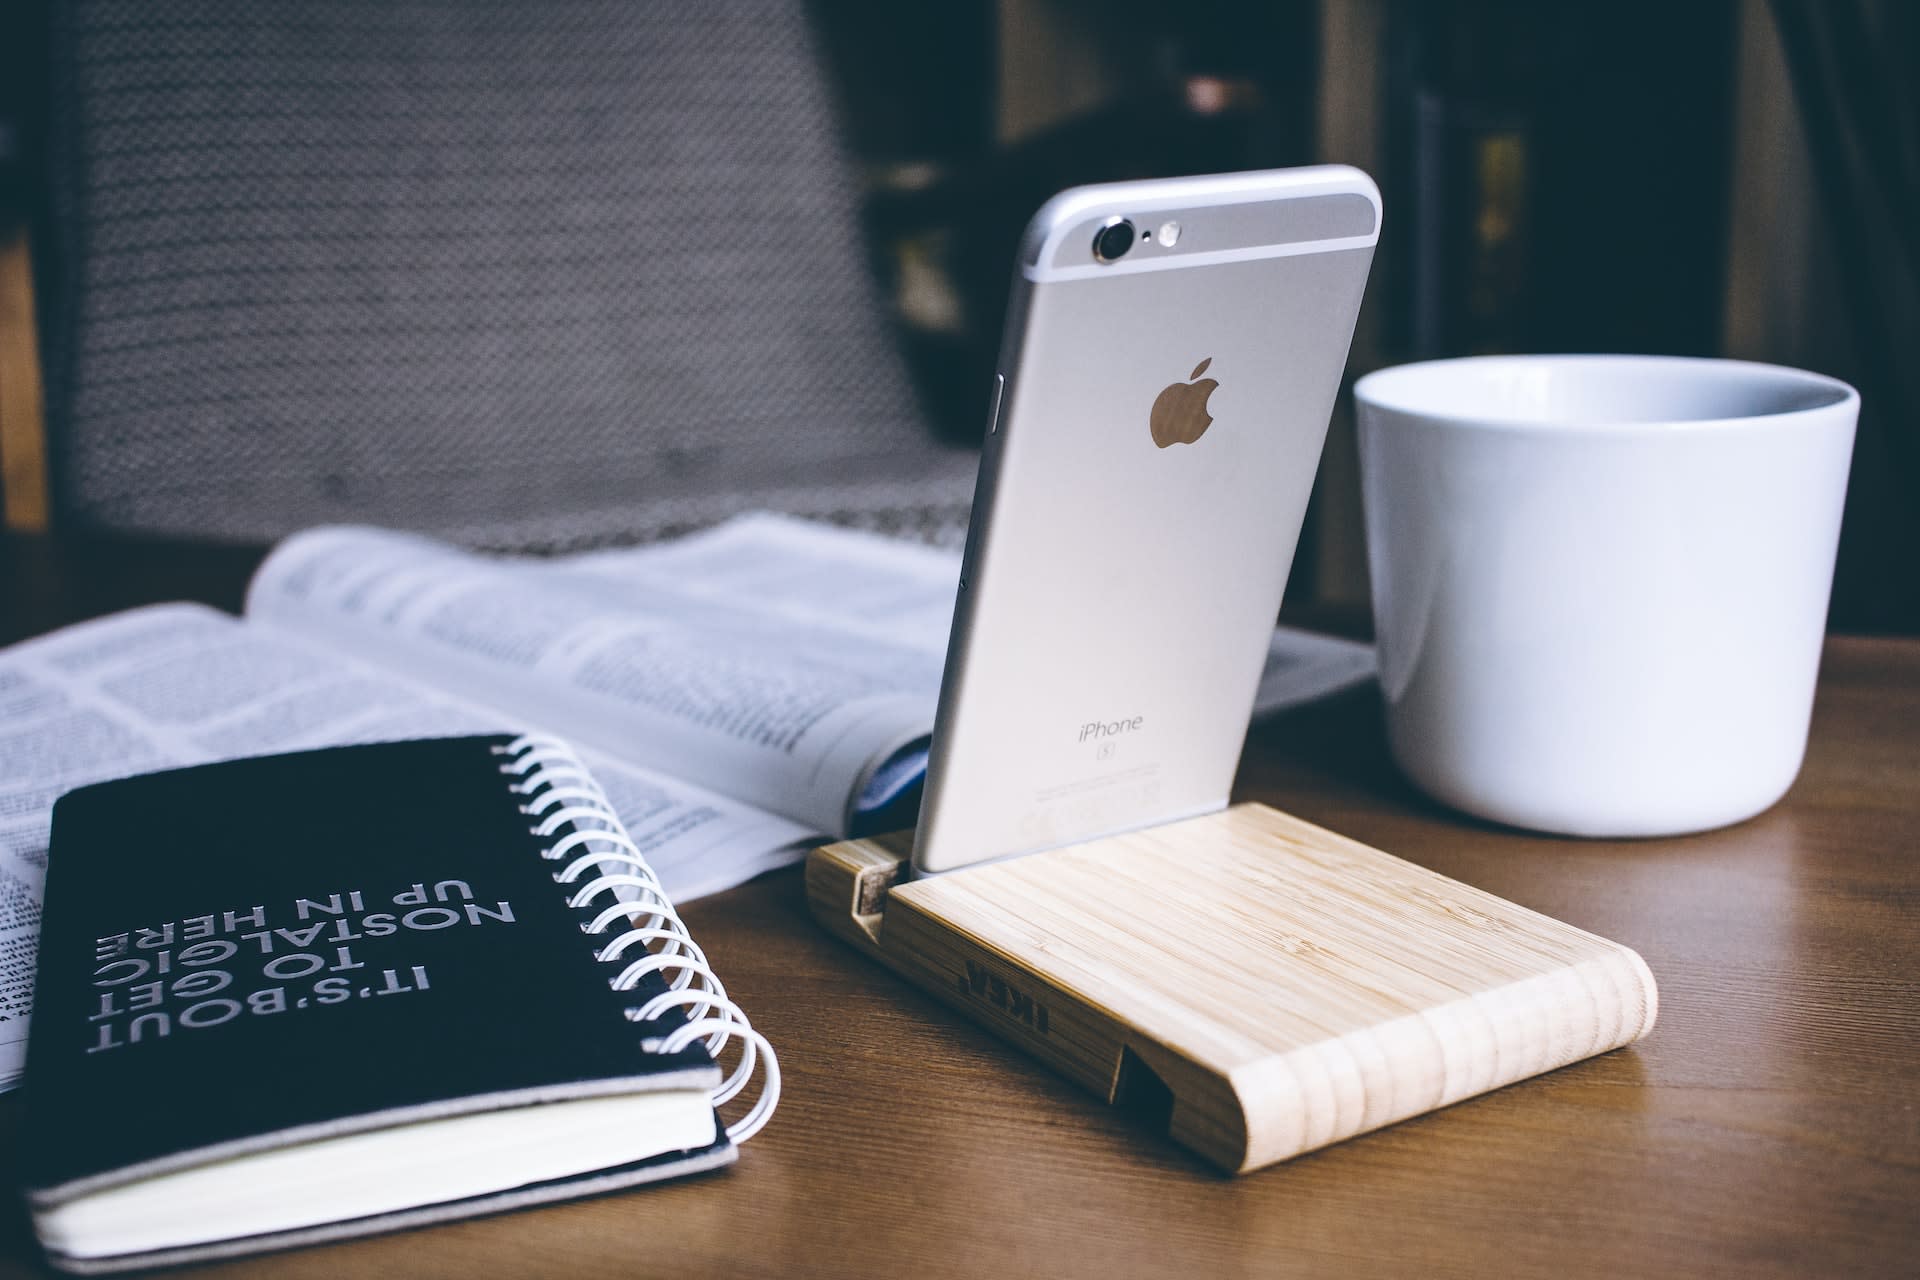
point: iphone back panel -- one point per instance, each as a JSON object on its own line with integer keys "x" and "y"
{"x": 1171, "y": 359}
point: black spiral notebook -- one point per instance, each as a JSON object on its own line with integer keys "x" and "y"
{"x": 311, "y": 996}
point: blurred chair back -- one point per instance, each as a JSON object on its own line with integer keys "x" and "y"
{"x": 524, "y": 274}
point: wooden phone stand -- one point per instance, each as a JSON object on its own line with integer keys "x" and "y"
{"x": 1264, "y": 986}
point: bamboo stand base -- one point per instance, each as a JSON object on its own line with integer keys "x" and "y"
{"x": 1263, "y": 986}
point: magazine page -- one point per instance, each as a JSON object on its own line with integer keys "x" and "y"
{"x": 901, "y": 592}
{"x": 788, "y": 709}
{"x": 888, "y": 589}
{"x": 173, "y": 685}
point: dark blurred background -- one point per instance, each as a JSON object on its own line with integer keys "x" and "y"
{"x": 1716, "y": 177}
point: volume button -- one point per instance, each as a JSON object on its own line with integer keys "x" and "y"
{"x": 999, "y": 394}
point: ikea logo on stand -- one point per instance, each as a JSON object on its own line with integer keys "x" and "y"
{"x": 1003, "y": 995}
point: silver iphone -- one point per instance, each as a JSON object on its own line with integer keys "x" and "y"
{"x": 1172, "y": 354}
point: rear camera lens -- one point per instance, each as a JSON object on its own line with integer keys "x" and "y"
{"x": 1113, "y": 240}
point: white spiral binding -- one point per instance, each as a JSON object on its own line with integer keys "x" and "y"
{"x": 560, "y": 792}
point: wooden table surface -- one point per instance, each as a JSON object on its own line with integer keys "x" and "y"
{"x": 1769, "y": 1125}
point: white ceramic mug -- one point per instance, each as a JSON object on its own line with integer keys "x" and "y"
{"x": 1600, "y": 582}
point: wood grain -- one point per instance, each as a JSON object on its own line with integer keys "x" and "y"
{"x": 1767, "y": 1128}
{"x": 24, "y": 497}
{"x": 1286, "y": 987}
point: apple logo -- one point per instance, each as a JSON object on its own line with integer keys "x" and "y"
{"x": 1180, "y": 412}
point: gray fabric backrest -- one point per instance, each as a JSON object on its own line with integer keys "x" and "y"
{"x": 524, "y": 273}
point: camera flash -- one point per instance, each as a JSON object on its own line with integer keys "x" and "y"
{"x": 1169, "y": 234}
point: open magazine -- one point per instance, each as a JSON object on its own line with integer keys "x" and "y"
{"x": 739, "y": 693}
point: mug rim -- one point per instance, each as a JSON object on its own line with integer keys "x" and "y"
{"x": 1376, "y": 390}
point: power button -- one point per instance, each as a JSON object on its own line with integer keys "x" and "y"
{"x": 999, "y": 393}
